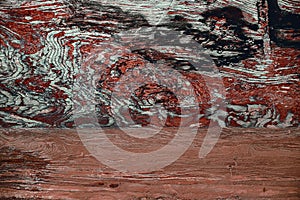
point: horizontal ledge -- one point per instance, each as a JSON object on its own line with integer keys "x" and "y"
{"x": 247, "y": 163}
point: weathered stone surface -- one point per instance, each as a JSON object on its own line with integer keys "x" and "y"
{"x": 245, "y": 164}
{"x": 44, "y": 45}
{"x": 50, "y": 49}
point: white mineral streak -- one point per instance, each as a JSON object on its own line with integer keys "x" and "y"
{"x": 290, "y": 5}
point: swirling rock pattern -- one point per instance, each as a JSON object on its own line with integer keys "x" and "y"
{"x": 43, "y": 45}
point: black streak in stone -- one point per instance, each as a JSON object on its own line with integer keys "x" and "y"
{"x": 280, "y": 19}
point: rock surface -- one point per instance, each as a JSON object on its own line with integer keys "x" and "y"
{"x": 45, "y": 45}
{"x": 245, "y": 164}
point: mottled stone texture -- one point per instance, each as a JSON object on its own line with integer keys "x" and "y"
{"x": 254, "y": 44}
{"x": 54, "y": 164}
